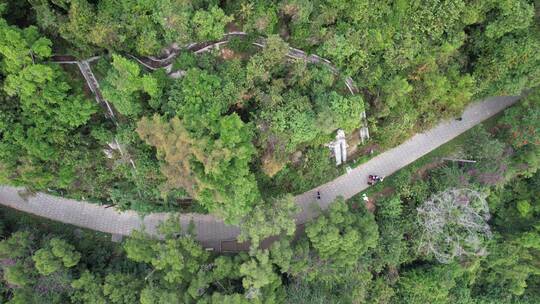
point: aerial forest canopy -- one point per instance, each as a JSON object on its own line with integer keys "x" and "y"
{"x": 421, "y": 244}
{"x": 223, "y": 131}
{"x": 227, "y": 108}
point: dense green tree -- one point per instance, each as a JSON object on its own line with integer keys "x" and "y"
{"x": 18, "y": 245}
{"x": 177, "y": 258}
{"x": 209, "y": 25}
{"x": 342, "y": 236}
{"x": 495, "y": 70}
{"x": 340, "y": 112}
{"x": 46, "y": 263}
{"x": 513, "y": 15}
{"x": 42, "y": 114}
{"x": 28, "y": 81}
{"x": 199, "y": 100}
{"x": 311, "y": 170}
{"x": 19, "y": 275}
{"x": 529, "y": 158}
{"x": 221, "y": 178}
{"x": 481, "y": 145}
{"x": 293, "y": 121}
{"x": 221, "y": 275}
{"x": 259, "y": 16}
{"x": 65, "y": 251}
{"x": 394, "y": 92}
{"x": 154, "y": 295}
{"x": 488, "y": 152}
{"x": 230, "y": 299}
{"x": 391, "y": 250}
{"x": 122, "y": 288}
{"x": 222, "y": 150}
{"x": 23, "y": 296}
{"x": 270, "y": 219}
{"x": 428, "y": 284}
{"x": 511, "y": 264}
{"x": 523, "y": 121}
{"x": 261, "y": 65}
{"x": 124, "y": 86}
{"x": 143, "y": 27}
{"x": 381, "y": 292}
{"x": 88, "y": 289}
{"x": 258, "y": 273}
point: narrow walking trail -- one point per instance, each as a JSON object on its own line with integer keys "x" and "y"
{"x": 212, "y": 232}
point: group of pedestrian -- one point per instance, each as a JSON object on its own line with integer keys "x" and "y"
{"x": 372, "y": 180}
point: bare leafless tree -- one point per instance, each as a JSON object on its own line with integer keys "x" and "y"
{"x": 454, "y": 224}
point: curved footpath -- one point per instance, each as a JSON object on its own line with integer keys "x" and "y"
{"x": 212, "y": 232}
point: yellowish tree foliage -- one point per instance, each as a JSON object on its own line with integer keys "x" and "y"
{"x": 173, "y": 145}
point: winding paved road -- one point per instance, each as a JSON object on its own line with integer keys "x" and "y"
{"x": 212, "y": 232}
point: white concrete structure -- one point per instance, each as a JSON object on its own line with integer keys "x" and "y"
{"x": 340, "y": 147}
{"x": 364, "y": 134}
{"x": 364, "y": 131}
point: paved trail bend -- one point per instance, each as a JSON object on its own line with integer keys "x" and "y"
{"x": 212, "y": 232}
